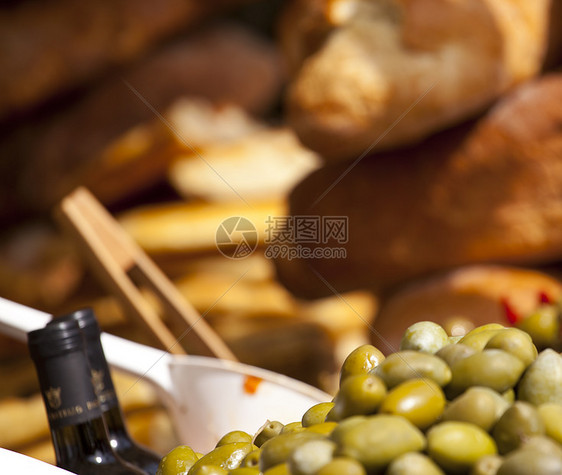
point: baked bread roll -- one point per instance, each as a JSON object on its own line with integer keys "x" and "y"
{"x": 461, "y": 300}
{"x": 488, "y": 192}
{"x": 391, "y": 72}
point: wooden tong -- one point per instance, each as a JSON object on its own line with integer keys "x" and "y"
{"x": 120, "y": 264}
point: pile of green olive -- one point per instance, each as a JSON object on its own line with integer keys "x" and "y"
{"x": 487, "y": 403}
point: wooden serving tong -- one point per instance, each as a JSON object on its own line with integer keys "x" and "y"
{"x": 121, "y": 265}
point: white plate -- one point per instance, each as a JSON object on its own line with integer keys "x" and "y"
{"x": 13, "y": 462}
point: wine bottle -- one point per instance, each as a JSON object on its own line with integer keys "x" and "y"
{"x": 119, "y": 437}
{"x": 75, "y": 417}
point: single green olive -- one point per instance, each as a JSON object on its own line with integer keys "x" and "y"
{"x": 421, "y": 401}
{"x": 518, "y": 422}
{"x": 403, "y": 365}
{"x": 427, "y": 337}
{"x": 457, "y": 446}
{"x": 228, "y": 456}
{"x": 495, "y": 369}
{"x": 316, "y": 414}
{"x": 542, "y": 382}
{"x": 543, "y": 325}
{"x": 235, "y": 436}
{"x": 361, "y": 360}
{"x": 377, "y": 440}
{"x": 269, "y": 430}
{"x": 477, "y": 405}
{"x": 358, "y": 394}
{"x": 177, "y": 462}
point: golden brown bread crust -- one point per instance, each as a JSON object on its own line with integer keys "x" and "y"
{"x": 491, "y": 192}
{"x": 449, "y": 58}
{"x": 474, "y": 293}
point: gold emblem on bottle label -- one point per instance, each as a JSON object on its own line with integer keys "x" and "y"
{"x": 97, "y": 381}
{"x": 53, "y": 397}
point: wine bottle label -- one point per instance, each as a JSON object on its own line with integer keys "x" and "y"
{"x": 67, "y": 390}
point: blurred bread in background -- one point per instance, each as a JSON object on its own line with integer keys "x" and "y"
{"x": 393, "y": 72}
{"x": 223, "y": 64}
{"x": 52, "y": 47}
{"x": 462, "y": 299}
{"x": 489, "y": 191}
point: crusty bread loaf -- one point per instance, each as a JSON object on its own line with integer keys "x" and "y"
{"x": 392, "y": 72}
{"x": 223, "y": 63}
{"x": 490, "y": 192}
{"x": 472, "y": 295}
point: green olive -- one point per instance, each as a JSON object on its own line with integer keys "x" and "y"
{"x": 421, "y": 401}
{"x": 235, "y": 436}
{"x": 457, "y": 446}
{"x": 377, "y": 440}
{"x": 316, "y": 414}
{"x": 479, "y": 337}
{"x": 551, "y": 415}
{"x": 324, "y": 428}
{"x": 516, "y": 342}
{"x": 529, "y": 462}
{"x": 244, "y": 471}
{"x": 403, "y": 365}
{"x": 342, "y": 466}
{"x": 228, "y": 456}
{"x": 361, "y": 360}
{"x": 278, "y": 449}
{"x": 509, "y": 396}
{"x": 358, "y": 394}
{"x": 542, "y": 382}
{"x": 269, "y": 430}
{"x": 413, "y": 463}
{"x": 495, "y": 369}
{"x": 427, "y": 337}
{"x": 542, "y": 444}
{"x": 310, "y": 456}
{"x": 543, "y": 325}
{"x": 281, "y": 469}
{"x": 487, "y": 465}
{"x": 177, "y": 462}
{"x": 454, "y": 352}
{"x": 292, "y": 427}
{"x": 208, "y": 470}
{"x": 520, "y": 421}
{"x": 252, "y": 459}
{"x": 478, "y": 405}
